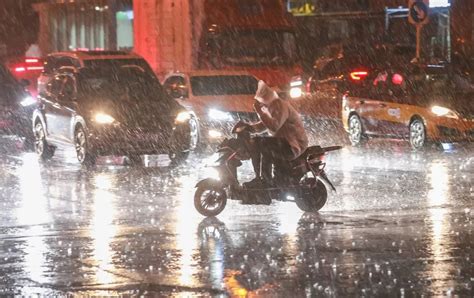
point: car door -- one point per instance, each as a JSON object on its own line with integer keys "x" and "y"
{"x": 392, "y": 119}
{"x": 50, "y": 106}
{"x": 67, "y": 100}
{"x": 372, "y": 106}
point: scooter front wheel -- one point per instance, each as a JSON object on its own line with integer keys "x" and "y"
{"x": 210, "y": 200}
{"x": 314, "y": 199}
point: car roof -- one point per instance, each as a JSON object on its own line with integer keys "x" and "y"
{"x": 211, "y": 73}
{"x": 96, "y": 55}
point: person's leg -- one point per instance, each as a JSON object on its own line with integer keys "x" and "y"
{"x": 274, "y": 151}
{"x": 256, "y": 156}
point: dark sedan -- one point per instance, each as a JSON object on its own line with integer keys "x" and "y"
{"x": 114, "y": 110}
{"x": 16, "y": 107}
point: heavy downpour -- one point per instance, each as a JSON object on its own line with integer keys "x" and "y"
{"x": 236, "y": 148}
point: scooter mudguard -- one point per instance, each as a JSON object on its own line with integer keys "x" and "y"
{"x": 325, "y": 178}
{"x": 210, "y": 182}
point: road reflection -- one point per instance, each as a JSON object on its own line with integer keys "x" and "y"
{"x": 186, "y": 241}
{"x": 34, "y": 215}
{"x": 102, "y": 228}
{"x": 117, "y": 225}
{"x": 441, "y": 267}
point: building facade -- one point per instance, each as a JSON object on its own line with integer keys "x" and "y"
{"x": 85, "y": 25}
{"x": 326, "y": 23}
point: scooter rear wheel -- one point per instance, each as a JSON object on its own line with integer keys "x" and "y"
{"x": 314, "y": 199}
{"x": 209, "y": 200}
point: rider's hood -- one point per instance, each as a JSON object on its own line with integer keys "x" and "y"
{"x": 265, "y": 94}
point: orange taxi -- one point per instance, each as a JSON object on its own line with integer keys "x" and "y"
{"x": 425, "y": 106}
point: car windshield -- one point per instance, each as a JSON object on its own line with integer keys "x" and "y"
{"x": 127, "y": 82}
{"x": 258, "y": 46}
{"x": 114, "y": 64}
{"x": 9, "y": 87}
{"x": 223, "y": 85}
{"x": 6, "y": 78}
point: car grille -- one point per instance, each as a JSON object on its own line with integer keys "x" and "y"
{"x": 150, "y": 124}
{"x": 448, "y": 132}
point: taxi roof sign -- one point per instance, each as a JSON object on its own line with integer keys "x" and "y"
{"x": 418, "y": 11}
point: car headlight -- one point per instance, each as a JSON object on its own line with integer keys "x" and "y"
{"x": 443, "y": 112}
{"x": 183, "y": 117}
{"x": 295, "y": 92}
{"x": 219, "y": 115}
{"x": 103, "y": 118}
{"x": 28, "y": 101}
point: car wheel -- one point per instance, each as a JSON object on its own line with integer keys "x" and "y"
{"x": 417, "y": 134}
{"x": 84, "y": 156}
{"x": 42, "y": 148}
{"x": 356, "y": 135}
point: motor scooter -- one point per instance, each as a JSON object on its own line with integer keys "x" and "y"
{"x": 302, "y": 180}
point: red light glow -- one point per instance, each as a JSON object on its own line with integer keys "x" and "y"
{"x": 34, "y": 68}
{"x": 358, "y": 75}
{"x": 20, "y": 69}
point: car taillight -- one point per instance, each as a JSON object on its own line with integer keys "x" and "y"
{"x": 31, "y": 60}
{"x": 20, "y": 69}
{"x": 358, "y": 75}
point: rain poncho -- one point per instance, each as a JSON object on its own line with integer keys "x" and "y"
{"x": 281, "y": 119}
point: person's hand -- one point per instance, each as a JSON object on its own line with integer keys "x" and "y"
{"x": 257, "y": 106}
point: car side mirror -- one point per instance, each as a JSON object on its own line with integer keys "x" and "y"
{"x": 178, "y": 92}
{"x": 25, "y": 82}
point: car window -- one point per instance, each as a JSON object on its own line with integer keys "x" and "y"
{"x": 127, "y": 83}
{"x": 5, "y": 76}
{"x": 68, "y": 89}
{"x": 50, "y": 65}
{"x": 113, "y": 65}
{"x": 223, "y": 85}
{"x": 55, "y": 85}
{"x": 331, "y": 69}
{"x": 9, "y": 87}
{"x": 423, "y": 88}
{"x": 175, "y": 86}
{"x": 379, "y": 86}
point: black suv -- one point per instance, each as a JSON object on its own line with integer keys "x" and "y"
{"x": 16, "y": 107}
{"x": 347, "y": 69}
{"x": 114, "y": 109}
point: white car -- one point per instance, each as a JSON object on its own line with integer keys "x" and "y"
{"x": 218, "y": 99}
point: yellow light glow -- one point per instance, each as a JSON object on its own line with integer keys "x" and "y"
{"x": 183, "y": 117}
{"x": 442, "y": 111}
{"x": 103, "y": 118}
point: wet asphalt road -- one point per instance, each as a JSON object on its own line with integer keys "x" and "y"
{"x": 401, "y": 223}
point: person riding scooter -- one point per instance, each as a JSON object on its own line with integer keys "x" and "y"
{"x": 288, "y": 138}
